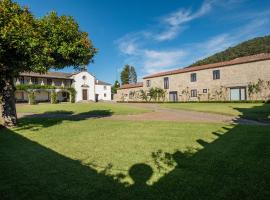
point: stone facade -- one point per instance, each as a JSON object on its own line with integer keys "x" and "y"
{"x": 129, "y": 94}
{"x": 215, "y": 83}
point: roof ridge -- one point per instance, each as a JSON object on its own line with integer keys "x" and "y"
{"x": 239, "y": 60}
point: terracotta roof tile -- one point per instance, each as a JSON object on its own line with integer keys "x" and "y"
{"x": 61, "y": 75}
{"x": 128, "y": 86}
{"x": 99, "y": 82}
{"x": 240, "y": 60}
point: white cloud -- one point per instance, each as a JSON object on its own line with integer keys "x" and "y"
{"x": 128, "y": 46}
{"x": 136, "y": 47}
{"x": 175, "y": 22}
{"x": 154, "y": 61}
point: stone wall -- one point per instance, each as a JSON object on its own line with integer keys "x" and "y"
{"x": 230, "y": 76}
{"x": 132, "y": 94}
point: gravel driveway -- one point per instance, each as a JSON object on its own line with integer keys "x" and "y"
{"x": 158, "y": 114}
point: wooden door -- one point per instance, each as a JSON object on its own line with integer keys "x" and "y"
{"x": 84, "y": 94}
{"x": 173, "y": 96}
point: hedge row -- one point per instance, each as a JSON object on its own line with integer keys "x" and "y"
{"x": 245, "y": 101}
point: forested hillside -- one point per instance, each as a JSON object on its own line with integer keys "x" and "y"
{"x": 249, "y": 47}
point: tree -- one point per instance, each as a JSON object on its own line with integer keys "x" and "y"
{"x": 125, "y": 75}
{"x": 249, "y": 47}
{"x": 115, "y": 86}
{"x": 132, "y": 75}
{"x": 128, "y": 75}
{"x": 28, "y": 44}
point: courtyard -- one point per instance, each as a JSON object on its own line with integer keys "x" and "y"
{"x": 137, "y": 151}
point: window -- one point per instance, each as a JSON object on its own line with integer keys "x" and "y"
{"x": 204, "y": 90}
{"x": 105, "y": 87}
{"x": 166, "y": 83}
{"x": 34, "y": 80}
{"x": 148, "y": 83}
{"x": 216, "y": 74}
{"x": 193, "y": 93}
{"x": 49, "y": 81}
{"x": 21, "y": 80}
{"x": 193, "y": 77}
{"x": 105, "y": 94}
{"x": 84, "y": 78}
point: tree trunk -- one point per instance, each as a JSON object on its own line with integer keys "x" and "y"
{"x": 7, "y": 101}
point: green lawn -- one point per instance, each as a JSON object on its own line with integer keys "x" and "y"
{"x": 79, "y": 108}
{"x": 79, "y": 158}
{"x": 105, "y": 159}
{"x": 256, "y": 111}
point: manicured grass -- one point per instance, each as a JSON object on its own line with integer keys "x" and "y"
{"x": 104, "y": 159}
{"x": 256, "y": 111}
{"x": 79, "y": 108}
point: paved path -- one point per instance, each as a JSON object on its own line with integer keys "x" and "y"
{"x": 177, "y": 115}
{"x": 158, "y": 114}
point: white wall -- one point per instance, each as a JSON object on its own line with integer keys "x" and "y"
{"x": 79, "y": 82}
{"x": 100, "y": 90}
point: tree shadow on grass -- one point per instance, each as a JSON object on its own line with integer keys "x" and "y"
{"x": 257, "y": 113}
{"x": 52, "y": 118}
{"x": 234, "y": 166}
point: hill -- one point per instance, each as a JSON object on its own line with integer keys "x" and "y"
{"x": 249, "y": 47}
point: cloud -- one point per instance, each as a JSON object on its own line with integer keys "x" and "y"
{"x": 175, "y": 22}
{"x": 136, "y": 47}
{"x": 154, "y": 61}
{"x": 128, "y": 45}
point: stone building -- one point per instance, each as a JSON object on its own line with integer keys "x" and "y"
{"x": 243, "y": 78}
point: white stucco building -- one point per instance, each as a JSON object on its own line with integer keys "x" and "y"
{"x": 87, "y": 87}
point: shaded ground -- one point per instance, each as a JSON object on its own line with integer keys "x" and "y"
{"x": 45, "y": 159}
{"x": 159, "y": 114}
{"x": 254, "y": 111}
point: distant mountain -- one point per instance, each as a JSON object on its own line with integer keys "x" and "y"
{"x": 247, "y": 48}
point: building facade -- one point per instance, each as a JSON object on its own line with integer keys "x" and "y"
{"x": 244, "y": 78}
{"x": 87, "y": 87}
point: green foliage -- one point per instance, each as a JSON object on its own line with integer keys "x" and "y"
{"x": 31, "y": 98}
{"x": 128, "y": 75}
{"x": 157, "y": 94}
{"x": 143, "y": 95}
{"x": 53, "y": 97}
{"x": 26, "y": 87}
{"x": 72, "y": 93}
{"x": 38, "y": 44}
{"x": 259, "y": 90}
{"x": 115, "y": 86}
{"x": 133, "y": 75}
{"x": 250, "y": 47}
{"x": 30, "y": 44}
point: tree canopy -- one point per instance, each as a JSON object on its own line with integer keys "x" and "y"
{"x": 37, "y": 45}
{"x": 30, "y": 44}
{"x": 128, "y": 75}
{"x": 250, "y": 47}
{"x": 115, "y": 86}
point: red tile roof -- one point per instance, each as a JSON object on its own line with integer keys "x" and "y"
{"x": 128, "y": 86}
{"x": 240, "y": 60}
{"x": 61, "y": 75}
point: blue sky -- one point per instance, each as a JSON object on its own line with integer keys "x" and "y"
{"x": 158, "y": 35}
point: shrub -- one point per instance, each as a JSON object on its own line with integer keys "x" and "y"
{"x": 31, "y": 98}
{"x": 72, "y": 93}
{"x": 26, "y": 87}
{"x": 53, "y": 97}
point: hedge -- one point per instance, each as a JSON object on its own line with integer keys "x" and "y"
{"x": 243, "y": 101}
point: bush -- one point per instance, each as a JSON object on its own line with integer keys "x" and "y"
{"x": 31, "y": 98}
{"x": 245, "y": 101}
{"x": 72, "y": 93}
{"x": 26, "y": 87}
{"x": 53, "y": 97}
